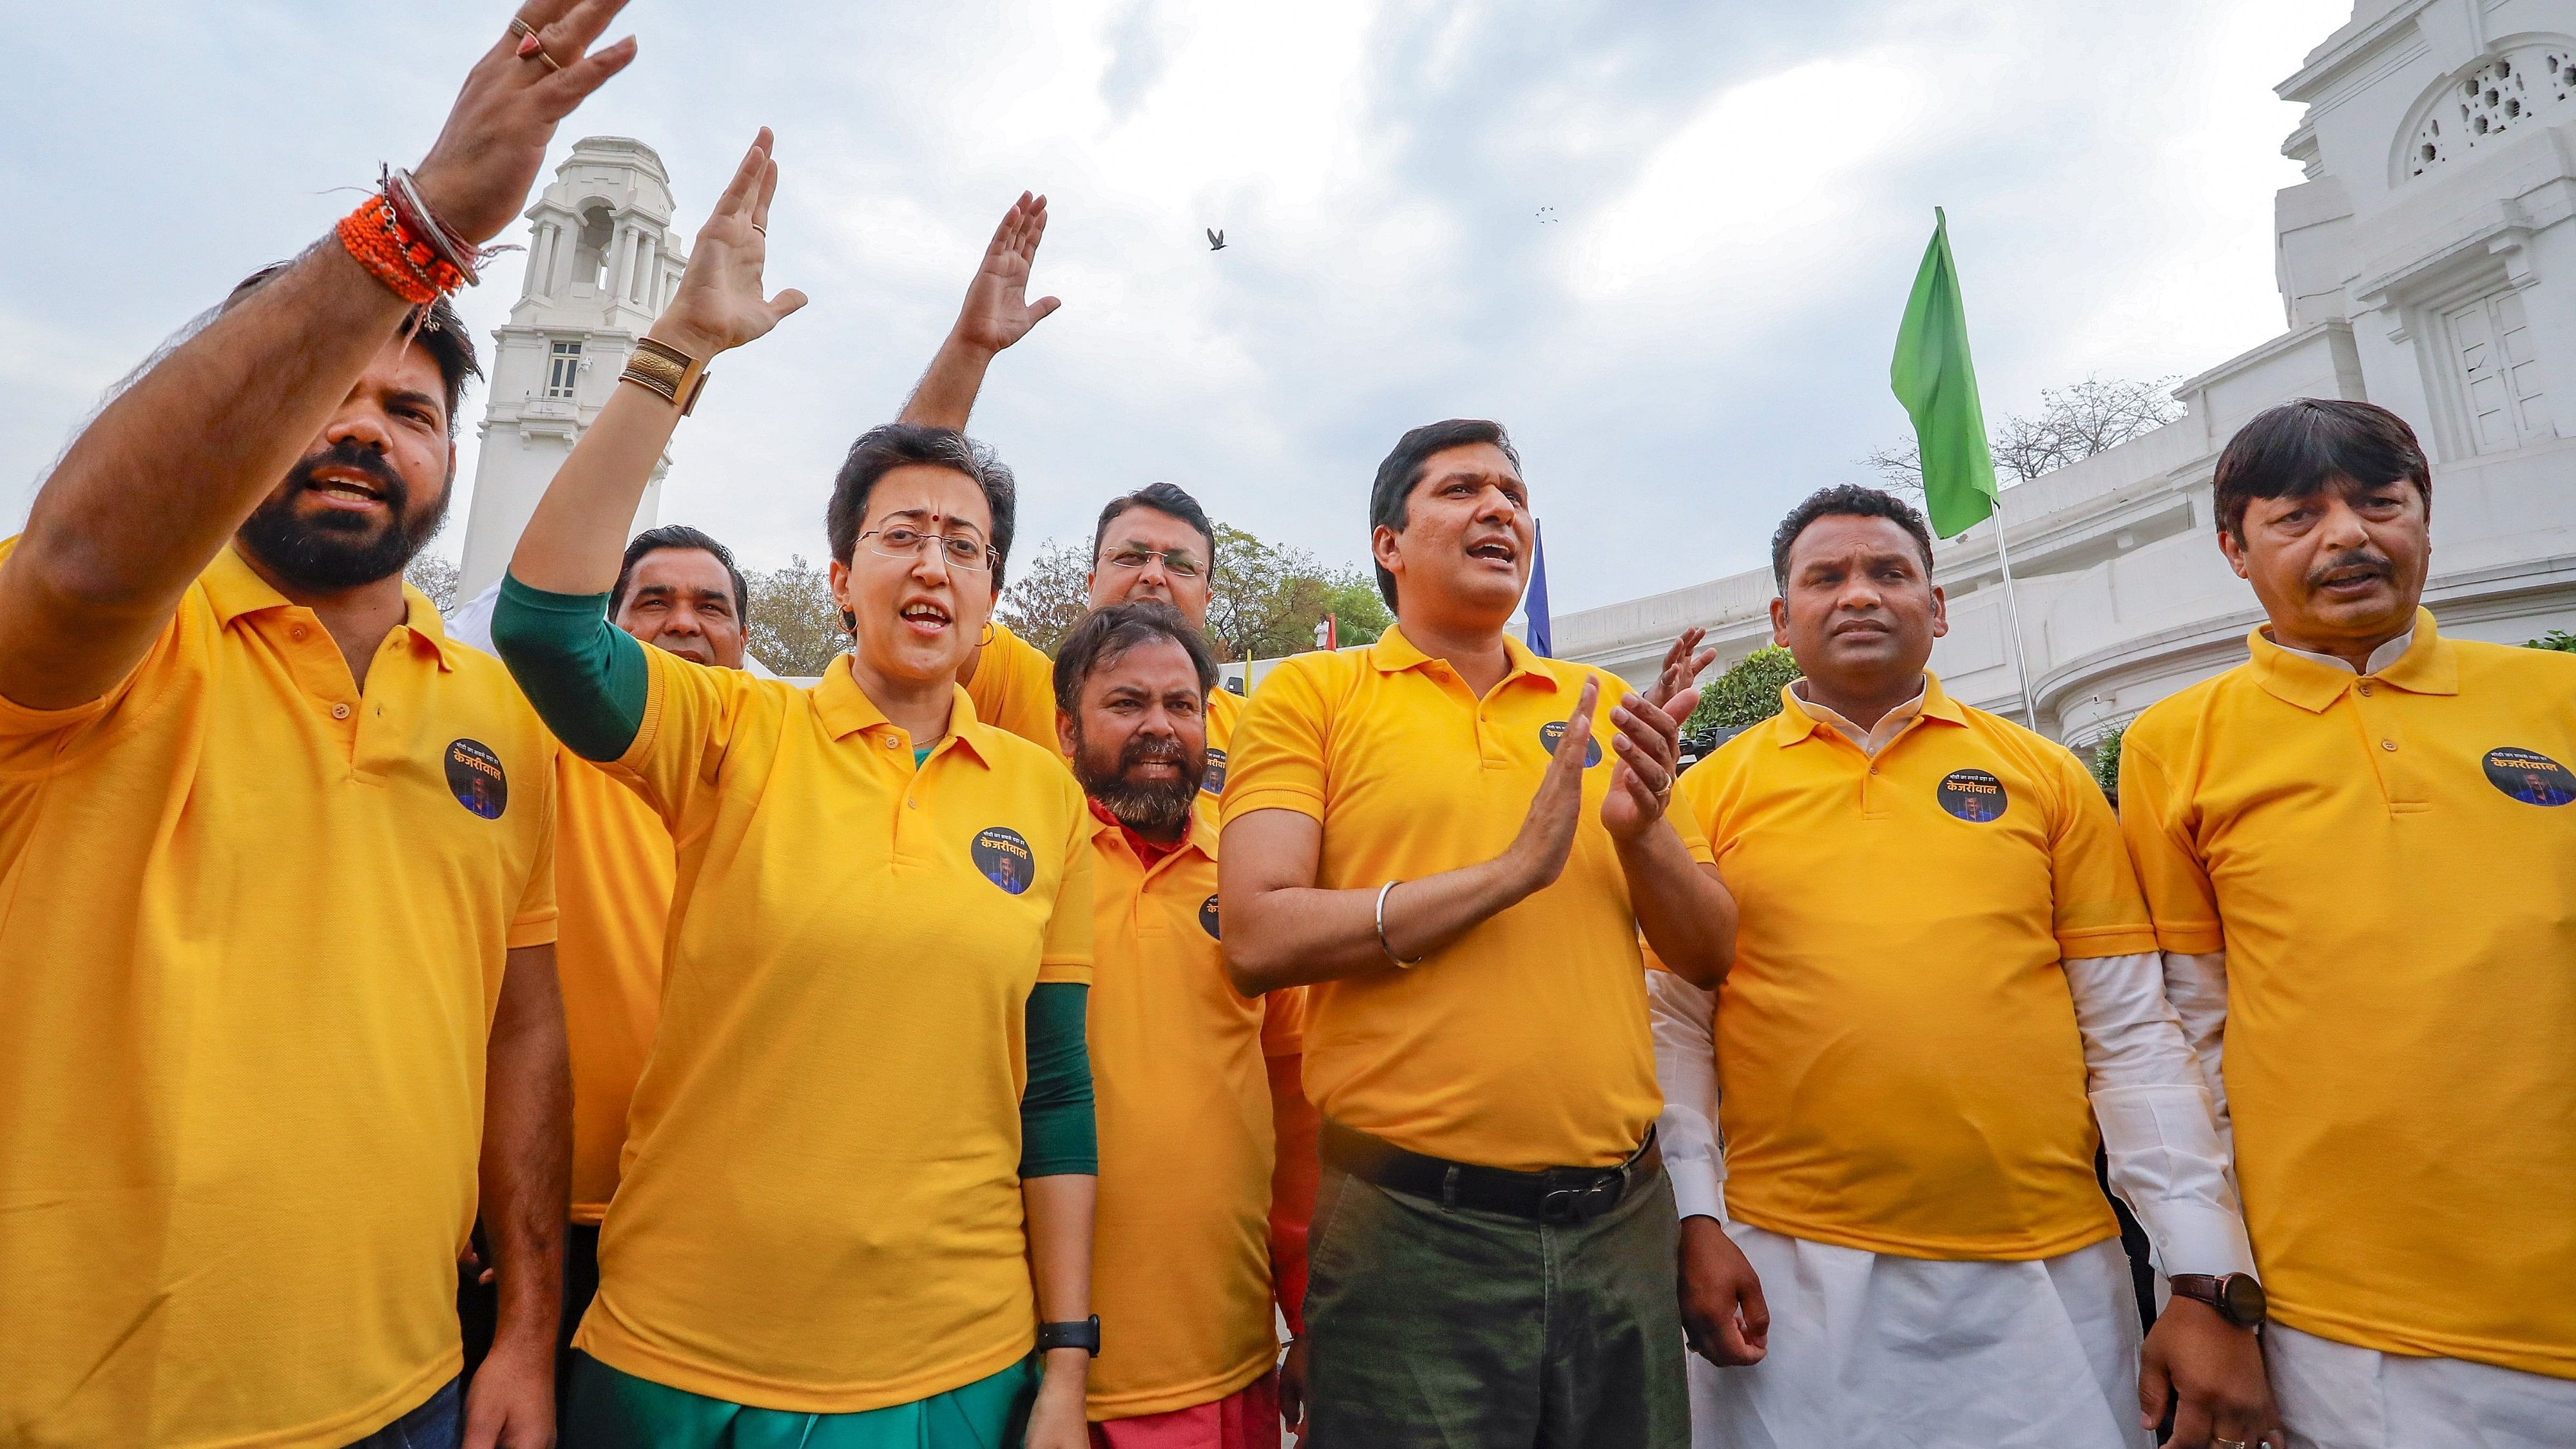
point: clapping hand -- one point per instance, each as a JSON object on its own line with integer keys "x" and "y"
{"x": 720, "y": 303}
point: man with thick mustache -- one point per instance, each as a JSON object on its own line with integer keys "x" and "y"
{"x": 1945, "y": 992}
{"x": 276, "y": 963}
{"x": 1154, "y": 543}
{"x": 2368, "y": 913}
{"x": 1429, "y": 829}
{"x": 1206, "y": 1142}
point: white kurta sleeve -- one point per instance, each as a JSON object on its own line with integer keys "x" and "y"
{"x": 2159, "y": 1126}
{"x": 2197, "y": 988}
{"x": 1685, "y": 1027}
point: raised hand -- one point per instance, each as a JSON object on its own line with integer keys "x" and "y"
{"x": 998, "y": 311}
{"x": 476, "y": 176}
{"x": 719, "y": 303}
{"x": 1649, "y": 745}
{"x": 1546, "y": 836}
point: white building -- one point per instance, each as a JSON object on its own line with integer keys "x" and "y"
{"x": 2427, "y": 264}
{"x": 602, "y": 259}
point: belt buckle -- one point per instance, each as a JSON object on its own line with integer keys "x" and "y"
{"x": 1582, "y": 1204}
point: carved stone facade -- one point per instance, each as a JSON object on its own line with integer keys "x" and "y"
{"x": 2441, "y": 285}
{"x": 602, "y": 259}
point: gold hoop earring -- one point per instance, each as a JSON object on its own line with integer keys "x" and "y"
{"x": 850, "y": 621}
{"x": 988, "y": 635}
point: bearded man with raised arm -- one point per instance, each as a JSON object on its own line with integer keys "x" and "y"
{"x": 276, "y": 967}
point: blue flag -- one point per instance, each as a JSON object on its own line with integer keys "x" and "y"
{"x": 1540, "y": 642}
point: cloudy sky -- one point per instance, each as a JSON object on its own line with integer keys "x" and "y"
{"x": 1743, "y": 189}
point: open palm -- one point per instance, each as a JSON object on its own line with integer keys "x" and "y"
{"x": 720, "y": 302}
{"x": 998, "y": 311}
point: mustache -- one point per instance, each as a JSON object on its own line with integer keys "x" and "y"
{"x": 346, "y": 456}
{"x": 2358, "y": 558}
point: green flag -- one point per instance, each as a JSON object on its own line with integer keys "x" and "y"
{"x": 1938, "y": 385}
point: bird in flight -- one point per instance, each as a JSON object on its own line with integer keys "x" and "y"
{"x": 1216, "y": 240}
{"x": 1547, "y": 214}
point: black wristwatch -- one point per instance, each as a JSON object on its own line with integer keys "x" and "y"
{"x": 2237, "y": 1297}
{"x": 1084, "y": 1335}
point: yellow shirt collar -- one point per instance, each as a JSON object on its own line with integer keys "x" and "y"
{"x": 845, "y": 710}
{"x": 1801, "y": 718}
{"x": 234, "y": 588}
{"x": 1394, "y": 654}
{"x": 2429, "y": 665}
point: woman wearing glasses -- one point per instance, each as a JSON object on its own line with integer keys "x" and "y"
{"x": 857, "y": 1189}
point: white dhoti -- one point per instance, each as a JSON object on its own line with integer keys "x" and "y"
{"x": 2336, "y": 1396}
{"x": 1873, "y": 1351}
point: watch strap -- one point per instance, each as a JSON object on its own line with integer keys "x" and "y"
{"x": 1083, "y": 1334}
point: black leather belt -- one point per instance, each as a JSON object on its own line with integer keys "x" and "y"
{"x": 1549, "y": 1195}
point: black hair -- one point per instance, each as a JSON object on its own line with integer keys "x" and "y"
{"x": 882, "y": 449}
{"x": 1105, "y": 635}
{"x": 1391, "y": 494}
{"x": 1846, "y": 500}
{"x": 681, "y": 536}
{"x": 2301, "y": 447}
{"x": 1165, "y": 498}
{"x": 440, "y": 333}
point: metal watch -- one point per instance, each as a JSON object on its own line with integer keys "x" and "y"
{"x": 1084, "y": 1335}
{"x": 2237, "y": 1296}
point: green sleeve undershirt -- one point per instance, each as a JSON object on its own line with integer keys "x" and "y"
{"x": 586, "y": 676}
{"x": 588, "y": 681}
{"x": 1057, "y": 1134}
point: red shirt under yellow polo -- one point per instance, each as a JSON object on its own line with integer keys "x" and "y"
{"x": 1181, "y": 1259}
{"x": 2389, "y": 862}
{"x": 613, "y": 873}
{"x": 252, "y": 931}
{"x": 1522, "y": 1044}
{"x": 820, "y": 1209}
{"x": 1898, "y": 1059}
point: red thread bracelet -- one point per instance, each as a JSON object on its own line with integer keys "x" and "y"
{"x": 409, "y": 266}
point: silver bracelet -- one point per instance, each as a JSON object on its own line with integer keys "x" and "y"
{"x": 1381, "y": 927}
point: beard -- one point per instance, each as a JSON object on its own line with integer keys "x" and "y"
{"x": 334, "y": 550}
{"x": 1155, "y": 809}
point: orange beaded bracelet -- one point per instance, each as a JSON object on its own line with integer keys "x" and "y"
{"x": 408, "y": 266}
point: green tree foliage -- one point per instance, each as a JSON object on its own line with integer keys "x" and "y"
{"x": 2558, "y": 639}
{"x": 1746, "y": 694}
{"x": 1048, "y": 592}
{"x": 2105, "y": 763}
{"x": 794, "y": 627}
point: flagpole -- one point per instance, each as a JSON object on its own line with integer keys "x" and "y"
{"x": 2012, "y": 612}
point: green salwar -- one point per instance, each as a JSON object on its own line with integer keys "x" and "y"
{"x": 607, "y": 1408}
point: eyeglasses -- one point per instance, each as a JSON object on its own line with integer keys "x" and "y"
{"x": 1179, "y": 563}
{"x": 964, "y": 551}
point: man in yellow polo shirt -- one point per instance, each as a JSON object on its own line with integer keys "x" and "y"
{"x": 1432, "y": 831}
{"x": 1207, "y": 1142}
{"x": 2362, "y": 866}
{"x": 1944, "y": 979}
{"x": 276, "y": 963}
{"x": 1155, "y": 543}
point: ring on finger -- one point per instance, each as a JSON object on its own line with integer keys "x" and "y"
{"x": 529, "y": 45}
{"x": 756, "y": 226}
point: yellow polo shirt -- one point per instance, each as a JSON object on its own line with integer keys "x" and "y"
{"x": 613, "y": 871}
{"x": 1014, "y": 688}
{"x": 820, "y": 1209}
{"x": 1523, "y": 1043}
{"x": 252, "y": 931}
{"x": 2389, "y": 862}
{"x": 1898, "y": 1061}
{"x": 1180, "y": 1265}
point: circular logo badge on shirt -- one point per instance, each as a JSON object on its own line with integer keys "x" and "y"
{"x": 1973, "y": 795}
{"x": 1004, "y": 857}
{"x": 1207, "y": 918}
{"x": 2530, "y": 776}
{"x": 1214, "y": 781}
{"x": 1554, "y": 730}
{"x": 475, "y": 777}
